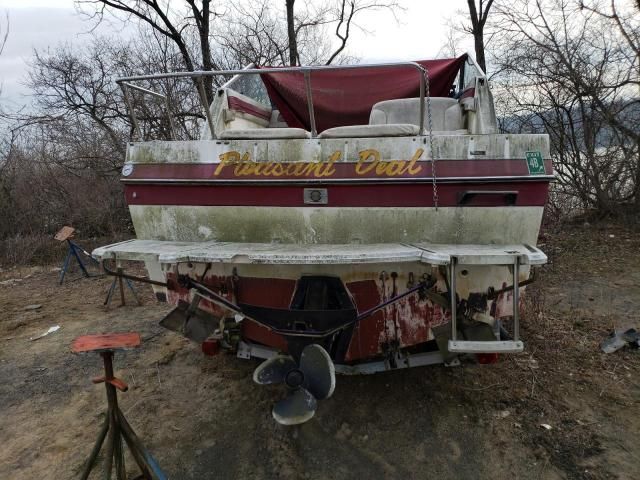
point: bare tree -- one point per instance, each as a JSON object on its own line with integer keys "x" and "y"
{"x": 190, "y": 19}
{"x": 190, "y": 25}
{"x": 5, "y": 140}
{"x": 625, "y": 23}
{"x": 81, "y": 84}
{"x": 251, "y": 34}
{"x": 255, "y": 33}
{"x": 43, "y": 183}
{"x": 341, "y": 16}
{"x": 453, "y": 38}
{"x": 67, "y": 84}
{"x": 69, "y": 147}
{"x": 571, "y": 72}
{"x": 478, "y": 16}
{"x": 4, "y": 33}
{"x": 291, "y": 34}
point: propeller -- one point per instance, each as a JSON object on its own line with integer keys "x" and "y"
{"x": 310, "y": 380}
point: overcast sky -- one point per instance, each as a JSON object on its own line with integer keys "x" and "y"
{"x": 39, "y": 24}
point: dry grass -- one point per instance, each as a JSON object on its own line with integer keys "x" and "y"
{"x": 474, "y": 421}
{"x": 563, "y": 378}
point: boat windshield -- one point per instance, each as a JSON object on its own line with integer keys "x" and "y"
{"x": 471, "y": 72}
{"x": 250, "y": 86}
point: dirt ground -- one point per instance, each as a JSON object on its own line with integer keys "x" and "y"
{"x": 202, "y": 417}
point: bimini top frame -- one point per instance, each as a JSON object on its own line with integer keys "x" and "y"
{"x": 198, "y": 76}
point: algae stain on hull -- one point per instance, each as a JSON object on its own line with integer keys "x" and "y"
{"x": 191, "y": 224}
{"x": 480, "y": 225}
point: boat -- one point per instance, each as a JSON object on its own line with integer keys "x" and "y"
{"x": 349, "y": 219}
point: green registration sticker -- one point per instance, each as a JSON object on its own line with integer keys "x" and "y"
{"x": 535, "y": 163}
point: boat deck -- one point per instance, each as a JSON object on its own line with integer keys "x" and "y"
{"x": 169, "y": 252}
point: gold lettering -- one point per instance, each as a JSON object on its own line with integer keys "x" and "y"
{"x": 368, "y": 161}
{"x": 227, "y": 158}
{"x": 267, "y": 169}
{"x": 278, "y": 170}
{"x": 329, "y": 169}
{"x": 313, "y": 169}
{"x": 381, "y": 168}
{"x": 258, "y": 169}
{"x": 395, "y": 167}
{"x": 241, "y": 163}
{"x": 298, "y": 170}
{"x": 412, "y": 168}
{"x": 247, "y": 168}
{"x": 361, "y": 167}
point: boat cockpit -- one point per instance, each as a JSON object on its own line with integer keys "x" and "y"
{"x": 436, "y": 97}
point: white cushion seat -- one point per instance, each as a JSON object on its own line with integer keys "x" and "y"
{"x": 446, "y": 113}
{"x": 364, "y": 131}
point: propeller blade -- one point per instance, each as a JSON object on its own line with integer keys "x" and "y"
{"x": 319, "y": 372}
{"x": 274, "y": 370}
{"x": 298, "y": 407}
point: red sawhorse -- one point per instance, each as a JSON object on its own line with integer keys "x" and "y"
{"x": 116, "y": 427}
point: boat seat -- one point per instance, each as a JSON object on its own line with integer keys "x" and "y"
{"x": 446, "y": 113}
{"x": 359, "y": 131}
{"x": 263, "y": 133}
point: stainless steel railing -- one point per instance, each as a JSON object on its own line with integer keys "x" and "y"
{"x": 307, "y": 71}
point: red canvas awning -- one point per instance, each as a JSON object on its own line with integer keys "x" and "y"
{"x": 345, "y": 97}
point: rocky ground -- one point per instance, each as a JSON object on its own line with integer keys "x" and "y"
{"x": 202, "y": 417}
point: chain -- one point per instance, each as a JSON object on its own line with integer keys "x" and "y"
{"x": 433, "y": 156}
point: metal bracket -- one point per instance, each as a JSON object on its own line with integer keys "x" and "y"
{"x": 466, "y": 346}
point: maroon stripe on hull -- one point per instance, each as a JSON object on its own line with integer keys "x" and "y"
{"x": 339, "y": 170}
{"x": 380, "y": 195}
